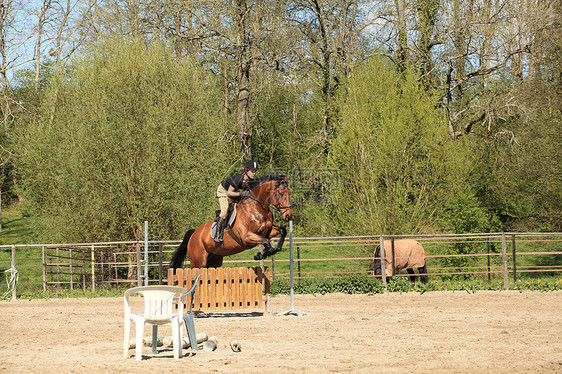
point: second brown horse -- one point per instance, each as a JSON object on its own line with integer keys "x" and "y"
{"x": 253, "y": 226}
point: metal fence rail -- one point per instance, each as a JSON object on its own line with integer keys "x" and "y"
{"x": 87, "y": 266}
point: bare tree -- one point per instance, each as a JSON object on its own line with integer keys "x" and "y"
{"x": 230, "y": 37}
{"x": 330, "y": 31}
{"x": 486, "y": 45}
{"x": 402, "y": 35}
{"x": 427, "y": 17}
{"x": 12, "y": 53}
{"x": 40, "y": 27}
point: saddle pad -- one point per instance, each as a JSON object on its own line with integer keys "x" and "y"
{"x": 230, "y": 218}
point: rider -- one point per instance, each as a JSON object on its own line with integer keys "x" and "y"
{"x": 233, "y": 187}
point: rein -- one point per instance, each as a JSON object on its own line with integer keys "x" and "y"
{"x": 280, "y": 209}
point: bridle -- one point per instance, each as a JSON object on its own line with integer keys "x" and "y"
{"x": 280, "y": 209}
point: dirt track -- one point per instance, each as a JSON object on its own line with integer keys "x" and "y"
{"x": 495, "y": 332}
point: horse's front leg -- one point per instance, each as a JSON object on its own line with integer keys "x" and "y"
{"x": 268, "y": 250}
{"x": 282, "y": 231}
{"x": 253, "y": 239}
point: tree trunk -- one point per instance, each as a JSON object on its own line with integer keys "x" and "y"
{"x": 427, "y": 15}
{"x": 41, "y": 22}
{"x": 243, "y": 64}
{"x": 5, "y": 8}
{"x": 402, "y": 35}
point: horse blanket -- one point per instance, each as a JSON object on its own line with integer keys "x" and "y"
{"x": 408, "y": 254}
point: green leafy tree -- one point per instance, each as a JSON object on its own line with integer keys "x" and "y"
{"x": 125, "y": 134}
{"x": 465, "y": 213}
{"x": 396, "y": 162}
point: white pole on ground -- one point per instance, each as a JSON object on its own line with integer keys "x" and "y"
{"x": 146, "y": 253}
{"x": 292, "y": 309}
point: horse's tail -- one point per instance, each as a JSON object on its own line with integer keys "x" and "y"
{"x": 181, "y": 252}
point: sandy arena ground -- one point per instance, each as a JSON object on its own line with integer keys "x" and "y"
{"x": 438, "y": 332}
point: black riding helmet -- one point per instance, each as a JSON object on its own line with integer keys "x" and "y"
{"x": 251, "y": 165}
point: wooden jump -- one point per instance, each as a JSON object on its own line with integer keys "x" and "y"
{"x": 224, "y": 288}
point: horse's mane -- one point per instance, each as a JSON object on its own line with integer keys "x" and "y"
{"x": 266, "y": 178}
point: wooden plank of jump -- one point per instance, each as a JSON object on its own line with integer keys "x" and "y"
{"x": 224, "y": 288}
{"x": 220, "y": 289}
{"x": 235, "y": 288}
{"x": 200, "y": 297}
{"x": 180, "y": 278}
{"x": 253, "y": 282}
{"x": 211, "y": 289}
{"x": 258, "y": 288}
{"x": 251, "y": 291}
{"x": 244, "y": 289}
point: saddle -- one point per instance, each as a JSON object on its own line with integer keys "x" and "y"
{"x": 230, "y": 219}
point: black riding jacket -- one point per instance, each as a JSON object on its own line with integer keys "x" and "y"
{"x": 235, "y": 181}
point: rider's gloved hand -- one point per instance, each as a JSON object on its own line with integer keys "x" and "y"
{"x": 244, "y": 193}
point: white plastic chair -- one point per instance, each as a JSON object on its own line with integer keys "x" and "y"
{"x": 189, "y": 318}
{"x": 158, "y": 310}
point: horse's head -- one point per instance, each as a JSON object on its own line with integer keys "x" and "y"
{"x": 281, "y": 198}
{"x": 273, "y": 190}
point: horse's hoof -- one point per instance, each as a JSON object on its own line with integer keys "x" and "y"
{"x": 259, "y": 256}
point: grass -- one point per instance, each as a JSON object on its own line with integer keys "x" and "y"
{"x": 114, "y": 291}
{"x": 17, "y": 229}
{"x": 361, "y": 284}
{"x": 349, "y": 284}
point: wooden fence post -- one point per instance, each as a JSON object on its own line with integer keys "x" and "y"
{"x": 488, "y": 258}
{"x": 514, "y": 259}
{"x": 44, "y": 269}
{"x": 115, "y": 267}
{"x": 504, "y": 261}
{"x": 71, "y": 269}
{"x": 93, "y": 269}
{"x": 139, "y": 267}
{"x": 109, "y": 265}
{"x": 58, "y": 269}
{"x": 102, "y": 269}
{"x": 51, "y": 271}
{"x": 83, "y": 270}
{"x": 14, "y": 274}
{"x": 160, "y": 260}
{"x": 383, "y": 263}
{"x": 393, "y": 257}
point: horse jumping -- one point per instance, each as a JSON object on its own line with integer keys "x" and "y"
{"x": 408, "y": 254}
{"x": 253, "y": 226}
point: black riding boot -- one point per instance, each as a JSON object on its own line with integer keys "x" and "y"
{"x": 221, "y": 224}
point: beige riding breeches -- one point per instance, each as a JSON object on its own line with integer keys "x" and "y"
{"x": 223, "y": 200}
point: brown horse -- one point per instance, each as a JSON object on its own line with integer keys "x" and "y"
{"x": 253, "y": 226}
{"x": 408, "y": 254}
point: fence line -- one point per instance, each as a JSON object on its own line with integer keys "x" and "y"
{"x": 90, "y": 265}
